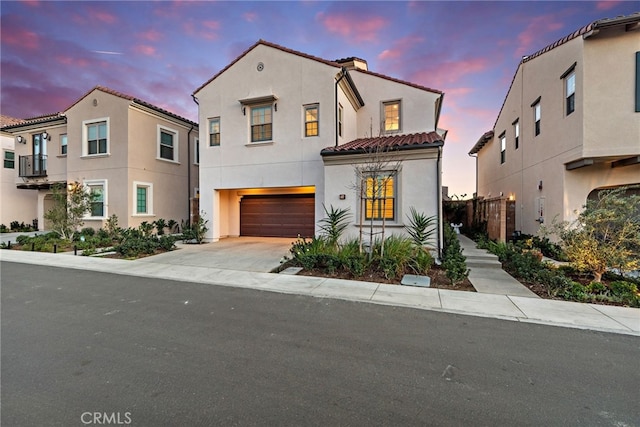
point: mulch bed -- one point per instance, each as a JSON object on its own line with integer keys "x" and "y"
{"x": 438, "y": 277}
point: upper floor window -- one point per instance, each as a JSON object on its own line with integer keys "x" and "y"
{"x": 96, "y": 138}
{"x": 9, "y": 159}
{"x": 261, "y": 123}
{"x": 392, "y": 113}
{"x": 214, "y": 131}
{"x": 380, "y": 201}
{"x": 536, "y": 116}
{"x": 63, "y": 144}
{"x": 516, "y": 132}
{"x": 167, "y": 144}
{"x": 340, "y": 115}
{"x": 503, "y": 147}
{"x": 311, "y": 120}
{"x": 570, "y": 92}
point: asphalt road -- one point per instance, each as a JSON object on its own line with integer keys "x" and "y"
{"x": 83, "y": 348}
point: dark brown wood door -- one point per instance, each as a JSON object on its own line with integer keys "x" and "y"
{"x": 284, "y": 215}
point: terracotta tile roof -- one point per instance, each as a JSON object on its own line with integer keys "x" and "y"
{"x": 311, "y": 57}
{"x": 7, "y": 121}
{"x": 486, "y": 137}
{"x": 390, "y": 143}
{"x": 133, "y": 99}
{"x": 34, "y": 120}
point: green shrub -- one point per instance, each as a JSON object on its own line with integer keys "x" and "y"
{"x": 421, "y": 261}
{"x": 87, "y": 232}
{"x": 397, "y": 254}
{"x": 452, "y": 260}
{"x": 623, "y": 288}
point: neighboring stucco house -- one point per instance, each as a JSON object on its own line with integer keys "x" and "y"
{"x": 286, "y": 131}
{"x": 15, "y": 205}
{"x": 569, "y": 126}
{"x": 139, "y": 159}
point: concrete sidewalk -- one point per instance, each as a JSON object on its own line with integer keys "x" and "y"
{"x": 487, "y": 275}
{"x": 508, "y": 307}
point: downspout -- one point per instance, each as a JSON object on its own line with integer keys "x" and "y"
{"x": 475, "y": 157}
{"x": 439, "y": 199}
{"x": 336, "y": 99}
{"x": 189, "y": 161}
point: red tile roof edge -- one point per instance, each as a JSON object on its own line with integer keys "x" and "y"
{"x": 314, "y": 58}
{"x": 133, "y": 99}
{"x": 391, "y": 143}
{"x": 34, "y": 120}
{"x": 486, "y": 137}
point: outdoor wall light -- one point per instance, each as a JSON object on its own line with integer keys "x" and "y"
{"x": 342, "y": 196}
{"x": 540, "y": 185}
{"x": 20, "y": 140}
{"x": 45, "y": 135}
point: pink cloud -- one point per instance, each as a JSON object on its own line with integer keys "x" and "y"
{"x": 449, "y": 72}
{"x": 150, "y": 35}
{"x": 71, "y": 61}
{"x": 250, "y": 16}
{"x": 31, "y": 3}
{"x": 531, "y": 34}
{"x": 400, "y": 47}
{"x": 607, "y": 4}
{"x": 102, "y": 16}
{"x": 206, "y": 29}
{"x": 145, "y": 50}
{"x": 20, "y": 37}
{"x": 358, "y": 27}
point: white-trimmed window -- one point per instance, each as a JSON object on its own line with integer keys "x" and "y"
{"x": 516, "y": 133}
{"x": 9, "y": 159}
{"x": 536, "y": 117}
{"x": 261, "y": 123}
{"x": 214, "y": 131}
{"x": 392, "y": 113}
{"x": 570, "y": 92}
{"x": 95, "y": 137}
{"x": 503, "y": 147}
{"x": 196, "y": 151}
{"x": 311, "y": 120}
{"x": 142, "y": 198}
{"x": 99, "y": 204}
{"x": 340, "y": 118}
{"x": 63, "y": 144}
{"x": 168, "y": 145}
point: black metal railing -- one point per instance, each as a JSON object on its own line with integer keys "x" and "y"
{"x": 33, "y": 166}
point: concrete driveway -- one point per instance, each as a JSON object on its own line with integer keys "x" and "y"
{"x": 257, "y": 254}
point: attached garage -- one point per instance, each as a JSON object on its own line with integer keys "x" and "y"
{"x": 282, "y": 215}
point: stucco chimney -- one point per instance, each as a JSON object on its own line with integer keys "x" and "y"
{"x": 353, "y": 63}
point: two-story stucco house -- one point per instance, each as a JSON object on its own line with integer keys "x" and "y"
{"x": 286, "y": 131}
{"x": 16, "y": 205}
{"x": 140, "y": 160}
{"x": 569, "y": 126}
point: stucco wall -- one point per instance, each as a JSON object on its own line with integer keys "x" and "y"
{"x": 15, "y": 204}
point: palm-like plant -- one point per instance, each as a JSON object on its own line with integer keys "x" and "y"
{"x": 333, "y": 226}
{"x": 421, "y": 228}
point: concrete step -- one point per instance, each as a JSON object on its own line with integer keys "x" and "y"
{"x": 479, "y": 262}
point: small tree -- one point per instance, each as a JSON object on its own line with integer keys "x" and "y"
{"x": 605, "y": 235}
{"x": 70, "y": 206}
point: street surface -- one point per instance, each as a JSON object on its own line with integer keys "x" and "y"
{"x": 81, "y": 348}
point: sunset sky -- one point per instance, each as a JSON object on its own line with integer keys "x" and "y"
{"x": 53, "y": 52}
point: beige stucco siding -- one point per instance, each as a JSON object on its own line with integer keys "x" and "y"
{"x": 612, "y": 127}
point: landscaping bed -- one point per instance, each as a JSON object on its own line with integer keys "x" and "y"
{"x": 438, "y": 277}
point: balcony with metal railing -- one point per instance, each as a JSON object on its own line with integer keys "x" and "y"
{"x": 33, "y": 166}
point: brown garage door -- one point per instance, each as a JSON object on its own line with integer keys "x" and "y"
{"x": 282, "y": 215}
